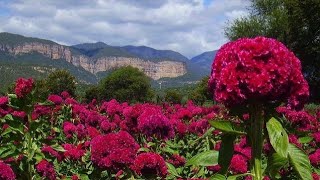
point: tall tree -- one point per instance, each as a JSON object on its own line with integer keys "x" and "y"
{"x": 126, "y": 84}
{"x": 296, "y": 23}
{"x": 59, "y": 81}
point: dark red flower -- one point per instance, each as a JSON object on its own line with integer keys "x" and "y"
{"x": 300, "y": 120}
{"x": 3, "y": 101}
{"x": 315, "y": 158}
{"x": 74, "y": 177}
{"x": 149, "y": 164}
{"x": 199, "y": 127}
{"x": 177, "y": 160}
{"x": 69, "y": 129}
{"x": 23, "y": 87}
{"x": 73, "y": 152}
{"x": 65, "y": 95}
{"x": 153, "y": 122}
{"x": 239, "y": 164}
{"x": 113, "y": 150}
{"x": 6, "y": 173}
{"x": 316, "y": 137}
{"x": 260, "y": 69}
{"x": 46, "y": 169}
{"x": 57, "y": 100}
{"x": 51, "y": 152}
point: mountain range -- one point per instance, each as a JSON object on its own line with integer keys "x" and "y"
{"x": 89, "y": 62}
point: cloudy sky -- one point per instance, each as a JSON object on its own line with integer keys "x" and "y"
{"x": 187, "y": 26}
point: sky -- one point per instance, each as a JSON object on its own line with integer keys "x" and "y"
{"x": 190, "y": 27}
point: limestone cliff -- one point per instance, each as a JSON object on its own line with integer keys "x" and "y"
{"x": 155, "y": 70}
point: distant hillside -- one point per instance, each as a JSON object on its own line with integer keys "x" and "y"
{"x": 150, "y": 53}
{"x": 16, "y": 39}
{"x": 100, "y": 49}
{"x": 89, "y": 62}
{"x": 203, "y": 61}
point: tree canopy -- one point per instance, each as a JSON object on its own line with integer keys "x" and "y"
{"x": 126, "y": 84}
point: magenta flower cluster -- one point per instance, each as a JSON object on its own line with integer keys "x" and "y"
{"x": 114, "y": 150}
{"x": 23, "y": 87}
{"x": 260, "y": 69}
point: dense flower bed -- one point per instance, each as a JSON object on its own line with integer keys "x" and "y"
{"x": 117, "y": 140}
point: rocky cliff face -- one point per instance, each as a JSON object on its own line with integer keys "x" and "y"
{"x": 155, "y": 70}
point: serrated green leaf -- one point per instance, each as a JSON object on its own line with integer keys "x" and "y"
{"x": 300, "y": 162}
{"x": 172, "y": 170}
{"x": 227, "y": 127}
{"x": 218, "y": 177}
{"x": 143, "y": 150}
{"x": 7, "y": 131}
{"x": 278, "y": 137}
{"x": 57, "y": 147}
{"x": 207, "y": 158}
{"x": 305, "y": 139}
{"x": 234, "y": 177}
{"x": 226, "y": 152}
{"x": 275, "y": 163}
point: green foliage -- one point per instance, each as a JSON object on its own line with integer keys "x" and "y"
{"x": 278, "y": 137}
{"x": 207, "y": 158}
{"x": 126, "y": 84}
{"x": 172, "y": 96}
{"x": 227, "y": 127}
{"x": 59, "y": 81}
{"x": 300, "y": 161}
{"x": 293, "y": 22}
{"x": 201, "y": 93}
{"x": 275, "y": 163}
{"x": 226, "y": 152}
{"x": 92, "y": 92}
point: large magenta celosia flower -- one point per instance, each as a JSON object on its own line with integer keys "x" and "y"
{"x": 260, "y": 69}
{"x": 6, "y": 172}
{"x": 152, "y": 122}
{"x": 46, "y": 169}
{"x": 113, "y": 150}
{"x": 23, "y": 87}
{"x": 73, "y": 152}
{"x": 150, "y": 164}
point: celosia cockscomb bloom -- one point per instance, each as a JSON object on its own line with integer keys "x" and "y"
{"x": 258, "y": 69}
{"x": 114, "y": 150}
{"x": 23, "y": 87}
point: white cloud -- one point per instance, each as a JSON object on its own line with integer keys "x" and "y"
{"x": 187, "y": 26}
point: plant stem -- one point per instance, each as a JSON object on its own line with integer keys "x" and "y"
{"x": 257, "y": 123}
{"x": 29, "y": 149}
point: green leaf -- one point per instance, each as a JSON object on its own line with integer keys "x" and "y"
{"x": 207, "y": 158}
{"x": 300, "y": 161}
{"x": 237, "y": 176}
{"x": 226, "y": 152}
{"x": 305, "y": 139}
{"x": 218, "y": 177}
{"x": 316, "y": 171}
{"x": 172, "y": 170}
{"x": 278, "y": 137}
{"x": 275, "y": 163}
{"x": 143, "y": 150}
{"x": 227, "y": 127}
{"x": 57, "y": 147}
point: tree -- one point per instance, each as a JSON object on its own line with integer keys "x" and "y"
{"x": 91, "y": 93}
{"x": 173, "y": 96}
{"x": 201, "y": 93}
{"x": 59, "y": 81}
{"x": 126, "y": 84}
{"x": 293, "y": 22}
